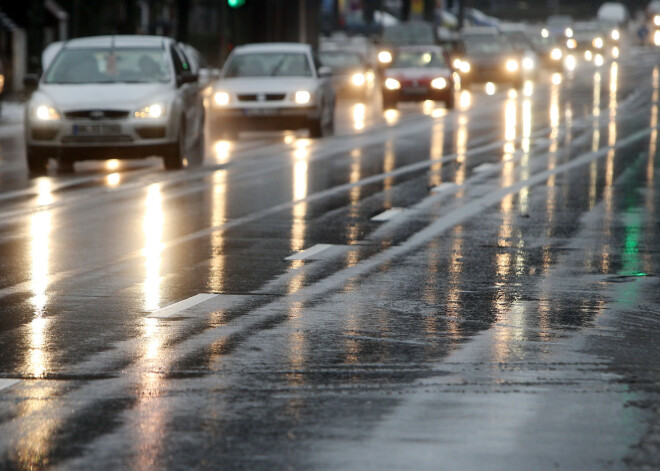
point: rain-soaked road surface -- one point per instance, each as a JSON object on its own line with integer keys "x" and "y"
{"x": 502, "y": 315}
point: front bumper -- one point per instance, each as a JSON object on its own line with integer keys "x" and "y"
{"x": 86, "y": 139}
{"x": 419, "y": 93}
{"x": 264, "y": 118}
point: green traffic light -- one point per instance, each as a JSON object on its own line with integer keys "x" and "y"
{"x": 235, "y": 3}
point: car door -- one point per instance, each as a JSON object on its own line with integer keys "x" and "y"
{"x": 189, "y": 93}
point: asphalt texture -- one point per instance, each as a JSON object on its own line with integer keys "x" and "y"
{"x": 504, "y": 317}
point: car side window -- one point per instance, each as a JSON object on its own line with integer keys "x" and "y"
{"x": 317, "y": 62}
{"x": 180, "y": 64}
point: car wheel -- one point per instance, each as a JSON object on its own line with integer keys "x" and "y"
{"x": 315, "y": 128}
{"x": 37, "y": 164}
{"x": 197, "y": 154}
{"x": 173, "y": 160}
{"x": 64, "y": 166}
{"x": 450, "y": 102}
{"x": 389, "y": 103}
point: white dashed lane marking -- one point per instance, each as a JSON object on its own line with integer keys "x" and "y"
{"x": 387, "y": 215}
{"x": 309, "y": 253}
{"x": 177, "y": 308}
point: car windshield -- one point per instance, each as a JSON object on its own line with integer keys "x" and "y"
{"x": 418, "y": 59}
{"x": 340, "y": 60}
{"x": 109, "y": 65}
{"x": 486, "y": 47}
{"x": 269, "y": 64}
{"x": 409, "y": 34}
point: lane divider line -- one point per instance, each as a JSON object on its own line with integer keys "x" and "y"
{"x": 445, "y": 187}
{"x": 309, "y": 253}
{"x": 176, "y": 308}
{"x": 387, "y": 215}
{"x": 6, "y": 383}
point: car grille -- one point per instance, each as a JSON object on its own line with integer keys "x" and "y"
{"x": 415, "y": 83}
{"x": 96, "y": 114}
{"x": 262, "y": 97}
{"x": 95, "y": 139}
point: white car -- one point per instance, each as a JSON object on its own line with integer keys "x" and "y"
{"x": 273, "y": 86}
{"x": 115, "y": 97}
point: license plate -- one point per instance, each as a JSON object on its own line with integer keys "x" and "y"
{"x": 416, "y": 90}
{"x": 261, "y": 112}
{"x": 96, "y": 129}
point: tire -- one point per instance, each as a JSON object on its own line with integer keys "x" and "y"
{"x": 197, "y": 153}
{"x": 315, "y": 128}
{"x": 389, "y": 103}
{"x": 450, "y": 102}
{"x": 37, "y": 164}
{"x": 65, "y": 166}
{"x": 173, "y": 160}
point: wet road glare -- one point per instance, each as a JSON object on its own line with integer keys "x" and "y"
{"x": 426, "y": 289}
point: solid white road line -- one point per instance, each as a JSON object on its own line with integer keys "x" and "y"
{"x": 176, "y": 308}
{"x": 309, "y": 253}
{"x": 6, "y": 383}
{"x": 387, "y": 215}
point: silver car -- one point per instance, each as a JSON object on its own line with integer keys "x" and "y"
{"x": 115, "y": 97}
{"x": 273, "y": 86}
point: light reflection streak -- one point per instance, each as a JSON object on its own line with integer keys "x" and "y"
{"x": 550, "y": 204}
{"x": 152, "y": 227}
{"x": 113, "y": 179}
{"x": 218, "y": 217}
{"x": 651, "y": 231}
{"x": 391, "y": 117}
{"x": 465, "y": 100}
{"x": 428, "y": 106}
{"x": 389, "y": 164}
{"x": 595, "y": 141}
{"x": 112, "y": 164}
{"x": 221, "y": 150}
{"x": 461, "y": 152}
{"x": 437, "y": 147}
{"x": 299, "y": 210}
{"x": 526, "y": 147}
{"x": 359, "y": 113}
{"x": 608, "y": 190}
{"x": 456, "y": 270}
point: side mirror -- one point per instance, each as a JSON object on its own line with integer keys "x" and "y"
{"x": 186, "y": 77}
{"x": 30, "y": 82}
{"x": 325, "y": 72}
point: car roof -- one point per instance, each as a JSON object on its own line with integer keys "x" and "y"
{"x": 273, "y": 47}
{"x": 430, "y": 47}
{"x": 118, "y": 40}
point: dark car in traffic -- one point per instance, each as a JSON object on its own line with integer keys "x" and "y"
{"x": 492, "y": 60}
{"x": 351, "y": 74}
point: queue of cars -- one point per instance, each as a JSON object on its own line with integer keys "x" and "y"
{"x": 124, "y": 97}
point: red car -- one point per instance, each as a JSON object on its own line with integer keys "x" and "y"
{"x": 419, "y": 73}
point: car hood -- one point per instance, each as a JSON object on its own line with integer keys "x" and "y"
{"x": 266, "y": 84}
{"x": 114, "y": 96}
{"x": 417, "y": 73}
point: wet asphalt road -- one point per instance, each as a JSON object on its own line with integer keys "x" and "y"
{"x": 504, "y": 317}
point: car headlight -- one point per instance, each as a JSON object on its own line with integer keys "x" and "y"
{"x": 512, "y": 65}
{"x": 457, "y": 63}
{"x": 302, "y": 97}
{"x": 568, "y": 32}
{"x": 556, "y": 54}
{"x": 221, "y": 98}
{"x": 358, "y": 79}
{"x": 392, "y": 84}
{"x": 598, "y": 43}
{"x": 465, "y": 67}
{"x": 384, "y": 57}
{"x": 588, "y": 55}
{"x": 656, "y": 20}
{"x": 439, "y": 83}
{"x": 528, "y": 63}
{"x": 153, "y": 111}
{"x": 46, "y": 113}
{"x": 571, "y": 43}
{"x": 615, "y": 35}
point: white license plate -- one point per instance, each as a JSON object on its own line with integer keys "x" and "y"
{"x": 96, "y": 129}
{"x": 261, "y": 112}
{"x": 416, "y": 90}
